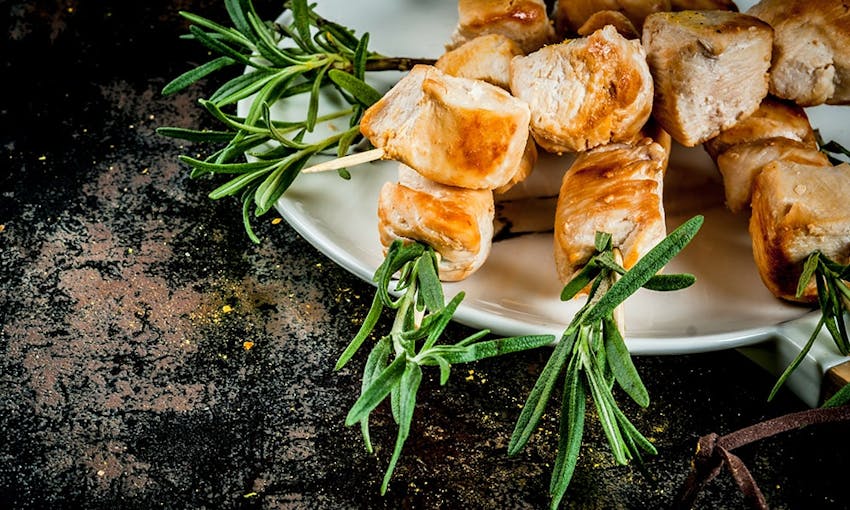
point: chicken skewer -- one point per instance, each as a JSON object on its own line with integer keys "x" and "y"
{"x": 477, "y": 132}
{"x": 800, "y": 229}
{"x": 616, "y": 190}
{"x": 424, "y": 224}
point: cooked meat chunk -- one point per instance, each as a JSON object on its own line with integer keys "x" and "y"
{"x": 585, "y": 92}
{"x": 710, "y": 70}
{"x": 811, "y": 49}
{"x": 614, "y": 18}
{"x": 524, "y": 21}
{"x": 740, "y": 164}
{"x": 572, "y": 14}
{"x": 616, "y": 189}
{"x": 476, "y": 133}
{"x": 778, "y": 130}
{"x": 703, "y": 5}
{"x": 456, "y": 222}
{"x": 773, "y": 118}
{"x": 487, "y": 58}
{"x": 798, "y": 209}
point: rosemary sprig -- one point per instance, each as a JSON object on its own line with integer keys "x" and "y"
{"x": 393, "y": 368}
{"x": 833, "y": 299}
{"x": 593, "y": 357}
{"x": 310, "y": 56}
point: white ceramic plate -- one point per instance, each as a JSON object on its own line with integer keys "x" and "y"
{"x": 516, "y": 291}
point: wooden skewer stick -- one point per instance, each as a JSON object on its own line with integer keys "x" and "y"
{"x": 358, "y": 158}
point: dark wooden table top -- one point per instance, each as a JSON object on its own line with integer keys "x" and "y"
{"x": 152, "y": 356}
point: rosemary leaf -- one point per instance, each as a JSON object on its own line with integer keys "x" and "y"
{"x": 313, "y": 104}
{"x": 571, "y": 431}
{"x": 236, "y": 184}
{"x": 228, "y": 168}
{"x": 499, "y": 347}
{"x": 587, "y": 274}
{"x": 278, "y": 181}
{"x": 377, "y": 391}
{"x": 621, "y": 364}
{"x": 535, "y": 404}
{"x": 241, "y": 87}
{"x": 222, "y": 48}
{"x": 669, "y": 282}
{"x": 840, "y": 398}
{"x": 375, "y": 364}
{"x": 601, "y": 393}
{"x": 195, "y": 135}
{"x": 408, "y": 387}
{"x": 246, "y": 216}
{"x": 445, "y": 369}
{"x": 191, "y": 76}
{"x": 598, "y": 358}
{"x": 430, "y": 287}
{"x": 364, "y": 331}
{"x": 225, "y": 32}
{"x": 438, "y": 321}
{"x": 361, "y": 53}
{"x": 364, "y": 93}
{"x": 797, "y": 360}
{"x": 283, "y": 61}
{"x": 809, "y": 268}
{"x": 415, "y": 344}
{"x": 301, "y": 21}
{"x": 633, "y": 435}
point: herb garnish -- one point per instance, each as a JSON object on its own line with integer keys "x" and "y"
{"x": 595, "y": 356}
{"x": 833, "y": 299}
{"x": 309, "y": 56}
{"x": 394, "y": 366}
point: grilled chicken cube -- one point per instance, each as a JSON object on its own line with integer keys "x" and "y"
{"x": 710, "y": 70}
{"x": 487, "y": 58}
{"x": 811, "y": 49}
{"x": 773, "y": 118}
{"x": 740, "y": 165}
{"x": 524, "y": 21}
{"x": 616, "y": 19}
{"x": 616, "y": 189}
{"x": 585, "y": 92}
{"x": 798, "y": 209}
{"x": 455, "y": 131}
{"x": 455, "y": 222}
{"x": 572, "y": 14}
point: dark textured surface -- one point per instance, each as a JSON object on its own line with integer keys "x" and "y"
{"x": 126, "y": 299}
